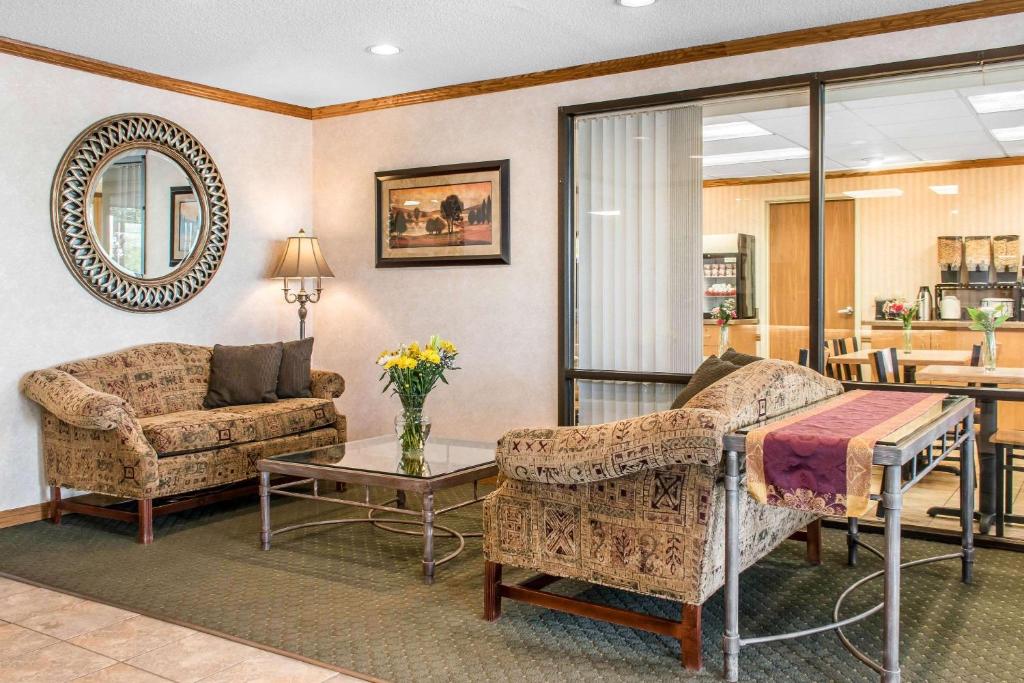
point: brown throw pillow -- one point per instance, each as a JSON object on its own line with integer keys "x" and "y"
{"x": 293, "y": 379}
{"x": 709, "y": 372}
{"x": 243, "y": 374}
{"x": 737, "y": 358}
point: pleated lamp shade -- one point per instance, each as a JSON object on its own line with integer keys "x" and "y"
{"x": 302, "y": 258}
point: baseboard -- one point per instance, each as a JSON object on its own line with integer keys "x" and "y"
{"x": 24, "y": 515}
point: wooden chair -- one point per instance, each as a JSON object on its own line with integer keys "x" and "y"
{"x": 1009, "y": 444}
{"x": 846, "y": 372}
{"x": 804, "y": 358}
{"x": 886, "y": 365}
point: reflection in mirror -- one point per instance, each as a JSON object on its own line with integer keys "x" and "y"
{"x": 144, "y": 213}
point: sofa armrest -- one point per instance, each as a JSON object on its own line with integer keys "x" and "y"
{"x": 326, "y": 384}
{"x": 578, "y": 455}
{"x": 76, "y": 403}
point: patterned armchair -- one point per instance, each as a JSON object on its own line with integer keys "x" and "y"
{"x": 638, "y": 504}
{"x": 131, "y": 424}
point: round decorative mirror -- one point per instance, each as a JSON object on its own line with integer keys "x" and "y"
{"x": 140, "y": 214}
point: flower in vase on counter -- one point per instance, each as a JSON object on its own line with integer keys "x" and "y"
{"x": 901, "y": 310}
{"x": 986, "y": 319}
{"x": 724, "y": 313}
{"x": 412, "y": 372}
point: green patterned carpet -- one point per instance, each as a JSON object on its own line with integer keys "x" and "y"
{"x": 352, "y": 596}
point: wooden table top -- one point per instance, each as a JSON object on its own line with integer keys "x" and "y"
{"x": 976, "y": 375}
{"x": 915, "y": 357}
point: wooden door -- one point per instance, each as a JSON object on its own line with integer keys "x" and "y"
{"x": 789, "y": 275}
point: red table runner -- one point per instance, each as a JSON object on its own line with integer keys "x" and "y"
{"x": 820, "y": 460}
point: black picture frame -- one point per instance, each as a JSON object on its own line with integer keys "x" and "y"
{"x": 176, "y": 192}
{"x": 502, "y": 255}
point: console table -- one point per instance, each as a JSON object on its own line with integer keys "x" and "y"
{"x": 947, "y": 428}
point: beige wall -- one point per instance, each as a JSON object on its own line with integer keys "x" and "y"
{"x": 505, "y": 318}
{"x": 896, "y": 236}
{"x": 48, "y": 317}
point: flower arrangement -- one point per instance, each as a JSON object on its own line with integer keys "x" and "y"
{"x": 901, "y": 310}
{"x": 723, "y": 314}
{"x": 412, "y": 371}
{"x": 986, "y": 320}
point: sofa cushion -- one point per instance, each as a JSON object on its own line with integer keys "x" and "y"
{"x": 709, "y": 372}
{"x": 190, "y": 431}
{"x": 739, "y": 358}
{"x": 240, "y": 375}
{"x": 294, "y": 377}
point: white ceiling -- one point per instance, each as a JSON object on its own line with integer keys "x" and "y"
{"x": 899, "y": 122}
{"x": 313, "y": 52}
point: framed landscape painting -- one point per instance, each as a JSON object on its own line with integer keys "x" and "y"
{"x": 443, "y": 215}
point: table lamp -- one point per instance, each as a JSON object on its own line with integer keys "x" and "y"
{"x": 302, "y": 258}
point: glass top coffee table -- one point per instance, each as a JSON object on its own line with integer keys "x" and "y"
{"x": 377, "y": 462}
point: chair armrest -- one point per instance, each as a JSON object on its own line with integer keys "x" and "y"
{"x": 326, "y": 384}
{"x": 76, "y": 403}
{"x": 577, "y": 455}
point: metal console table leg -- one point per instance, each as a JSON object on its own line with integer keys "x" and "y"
{"x": 892, "y": 502}
{"x": 428, "y": 537}
{"x": 265, "y": 510}
{"x": 731, "y": 640}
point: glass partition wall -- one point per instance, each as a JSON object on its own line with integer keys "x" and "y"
{"x": 809, "y": 206}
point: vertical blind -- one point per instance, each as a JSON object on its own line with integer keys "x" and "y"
{"x": 638, "y": 230}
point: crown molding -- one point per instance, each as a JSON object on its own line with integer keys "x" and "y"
{"x": 731, "y": 48}
{"x": 965, "y": 164}
{"x": 970, "y": 11}
{"x": 94, "y": 66}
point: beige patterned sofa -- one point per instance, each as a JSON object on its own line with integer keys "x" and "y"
{"x": 131, "y": 424}
{"x": 638, "y": 504}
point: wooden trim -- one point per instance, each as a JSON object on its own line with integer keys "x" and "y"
{"x": 743, "y": 46}
{"x": 94, "y": 66}
{"x": 965, "y": 164}
{"x": 25, "y": 515}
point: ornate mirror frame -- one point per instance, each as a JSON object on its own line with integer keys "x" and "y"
{"x": 72, "y": 184}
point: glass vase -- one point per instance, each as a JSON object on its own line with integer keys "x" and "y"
{"x": 412, "y": 428}
{"x": 723, "y": 339}
{"x": 988, "y": 351}
{"x": 908, "y": 340}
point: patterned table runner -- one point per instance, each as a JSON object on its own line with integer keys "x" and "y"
{"x": 820, "y": 460}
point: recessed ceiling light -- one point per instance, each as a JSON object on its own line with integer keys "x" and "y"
{"x": 607, "y": 212}
{"x": 945, "y": 189}
{"x": 1009, "y": 134}
{"x": 635, "y": 3}
{"x": 383, "y": 50}
{"x": 781, "y": 154}
{"x": 871, "y": 194}
{"x": 997, "y": 101}
{"x": 733, "y": 130}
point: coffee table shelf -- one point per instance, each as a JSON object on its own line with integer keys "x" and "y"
{"x": 376, "y": 462}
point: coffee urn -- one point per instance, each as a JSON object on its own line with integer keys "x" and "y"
{"x": 924, "y": 303}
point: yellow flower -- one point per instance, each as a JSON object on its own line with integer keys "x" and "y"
{"x": 413, "y": 349}
{"x": 407, "y": 363}
{"x": 449, "y": 348}
{"x": 430, "y": 355}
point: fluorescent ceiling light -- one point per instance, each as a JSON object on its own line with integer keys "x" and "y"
{"x": 383, "y": 50}
{"x": 635, "y": 3}
{"x": 781, "y": 154}
{"x": 871, "y": 194}
{"x": 945, "y": 189}
{"x": 411, "y": 202}
{"x": 733, "y": 130}
{"x": 607, "y": 212}
{"x": 997, "y": 101}
{"x": 1009, "y": 134}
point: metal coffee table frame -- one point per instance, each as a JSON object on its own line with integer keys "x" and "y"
{"x": 952, "y": 430}
{"x": 311, "y": 475}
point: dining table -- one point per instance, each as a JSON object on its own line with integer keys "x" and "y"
{"x": 909, "y": 361}
{"x": 988, "y": 470}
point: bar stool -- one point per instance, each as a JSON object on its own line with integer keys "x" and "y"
{"x": 1007, "y": 442}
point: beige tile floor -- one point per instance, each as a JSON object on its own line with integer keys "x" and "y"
{"x": 52, "y": 637}
{"x": 942, "y": 489}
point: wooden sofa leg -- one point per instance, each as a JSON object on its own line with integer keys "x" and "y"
{"x": 55, "y": 504}
{"x": 492, "y": 593}
{"x": 146, "y": 521}
{"x": 814, "y": 542}
{"x": 690, "y": 637}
